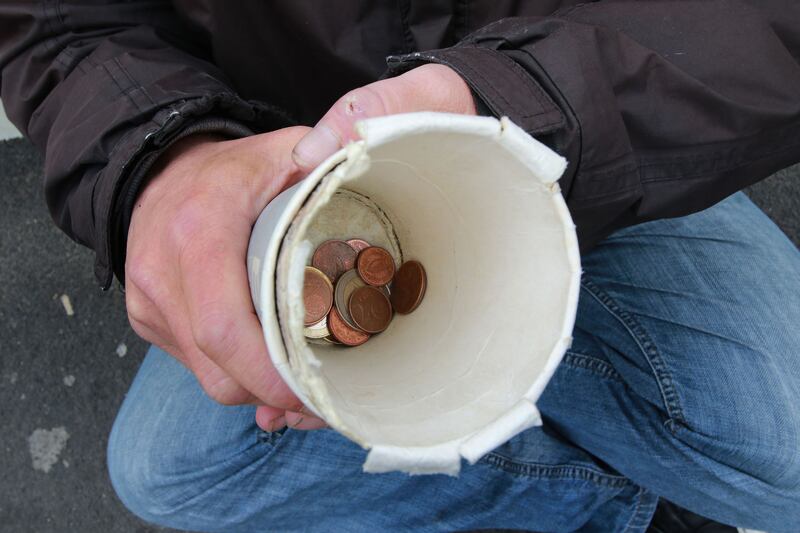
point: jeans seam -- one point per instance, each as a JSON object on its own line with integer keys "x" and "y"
{"x": 640, "y": 517}
{"x": 564, "y": 471}
{"x": 597, "y": 366}
{"x": 658, "y": 366}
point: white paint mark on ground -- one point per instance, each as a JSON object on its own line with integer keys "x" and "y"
{"x": 7, "y": 129}
{"x": 67, "y": 305}
{"x": 45, "y": 447}
{"x": 69, "y": 380}
{"x": 65, "y": 463}
{"x": 122, "y": 349}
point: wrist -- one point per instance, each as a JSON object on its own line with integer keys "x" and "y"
{"x": 182, "y": 152}
{"x": 184, "y": 149}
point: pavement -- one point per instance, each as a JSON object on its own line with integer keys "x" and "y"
{"x": 68, "y": 355}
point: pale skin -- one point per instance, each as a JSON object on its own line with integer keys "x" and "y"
{"x": 186, "y": 278}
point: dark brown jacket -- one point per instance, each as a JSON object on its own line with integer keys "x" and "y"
{"x": 662, "y": 108}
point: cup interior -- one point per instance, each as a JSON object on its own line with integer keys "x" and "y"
{"x": 493, "y": 245}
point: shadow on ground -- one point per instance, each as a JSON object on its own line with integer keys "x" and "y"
{"x": 63, "y": 377}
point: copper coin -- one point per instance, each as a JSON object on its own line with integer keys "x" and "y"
{"x": 344, "y": 333}
{"x": 370, "y": 309}
{"x": 334, "y": 258}
{"x": 375, "y": 266}
{"x": 358, "y": 244}
{"x": 317, "y": 295}
{"x": 347, "y": 284}
{"x": 408, "y": 287}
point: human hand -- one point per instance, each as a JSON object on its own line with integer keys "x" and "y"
{"x": 430, "y": 87}
{"x": 186, "y": 277}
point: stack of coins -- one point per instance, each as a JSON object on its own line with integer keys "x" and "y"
{"x": 352, "y": 291}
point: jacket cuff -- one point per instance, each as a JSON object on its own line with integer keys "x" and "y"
{"x": 226, "y": 114}
{"x": 502, "y": 85}
{"x": 126, "y": 199}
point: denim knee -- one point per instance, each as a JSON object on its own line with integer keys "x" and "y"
{"x": 194, "y": 474}
{"x": 143, "y": 484}
{"x": 755, "y": 451}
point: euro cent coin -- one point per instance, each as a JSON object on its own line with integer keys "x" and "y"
{"x": 343, "y": 332}
{"x": 358, "y": 244}
{"x": 317, "y": 331}
{"x": 375, "y": 266}
{"x": 408, "y": 287}
{"x": 345, "y": 287}
{"x": 334, "y": 258}
{"x": 324, "y": 341}
{"x": 370, "y": 309}
{"x": 317, "y": 295}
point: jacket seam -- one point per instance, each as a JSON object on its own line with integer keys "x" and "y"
{"x": 515, "y": 69}
{"x": 134, "y": 83}
{"x": 60, "y": 12}
{"x": 563, "y": 110}
{"x": 724, "y": 168}
{"x": 462, "y": 20}
{"x": 656, "y": 161}
{"x": 120, "y": 88}
{"x": 404, "y": 7}
{"x": 615, "y": 192}
{"x": 48, "y": 42}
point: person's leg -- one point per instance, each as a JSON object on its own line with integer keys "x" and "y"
{"x": 657, "y": 384}
{"x": 697, "y": 395}
{"x": 178, "y": 459}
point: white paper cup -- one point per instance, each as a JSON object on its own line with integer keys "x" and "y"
{"x": 476, "y": 201}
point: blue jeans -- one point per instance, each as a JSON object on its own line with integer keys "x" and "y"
{"x": 683, "y": 381}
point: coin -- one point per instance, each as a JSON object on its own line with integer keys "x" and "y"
{"x": 324, "y": 341}
{"x": 317, "y": 295}
{"x": 347, "y": 284}
{"x": 344, "y": 333}
{"x": 375, "y": 266}
{"x": 358, "y": 244}
{"x": 408, "y": 287}
{"x": 318, "y": 330}
{"x": 370, "y": 309}
{"x": 334, "y": 258}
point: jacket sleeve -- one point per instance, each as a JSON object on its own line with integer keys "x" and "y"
{"x": 662, "y": 108}
{"x": 102, "y": 87}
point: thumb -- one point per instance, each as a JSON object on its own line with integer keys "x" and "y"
{"x": 426, "y": 88}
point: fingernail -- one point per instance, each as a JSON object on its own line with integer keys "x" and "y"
{"x": 318, "y": 144}
{"x": 277, "y": 423}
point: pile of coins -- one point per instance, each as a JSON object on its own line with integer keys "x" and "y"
{"x": 352, "y": 290}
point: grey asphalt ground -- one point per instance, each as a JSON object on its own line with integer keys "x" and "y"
{"x": 62, "y": 378}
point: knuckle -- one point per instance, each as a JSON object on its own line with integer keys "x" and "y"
{"x": 140, "y": 329}
{"x": 143, "y": 330}
{"x": 224, "y": 391}
{"x": 135, "y": 306}
{"x": 363, "y": 102}
{"x": 142, "y": 279}
{"x": 215, "y": 335}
